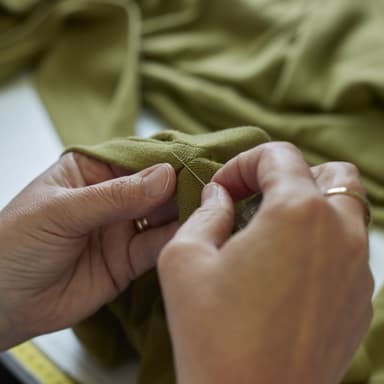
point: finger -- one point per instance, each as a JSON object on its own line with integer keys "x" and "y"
{"x": 145, "y": 247}
{"x": 342, "y": 174}
{"x": 126, "y": 197}
{"x": 276, "y": 169}
{"x": 212, "y": 223}
{"x": 94, "y": 171}
{"x": 107, "y": 273}
{"x": 164, "y": 214}
{"x": 331, "y": 174}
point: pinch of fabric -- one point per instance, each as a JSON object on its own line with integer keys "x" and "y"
{"x": 139, "y": 312}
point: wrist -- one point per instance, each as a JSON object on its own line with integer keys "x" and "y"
{"x": 208, "y": 357}
{"x": 10, "y": 329}
{"x": 203, "y": 357}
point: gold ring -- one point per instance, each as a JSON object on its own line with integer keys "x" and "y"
{"x": 141, "y": 224}
{"x": 352, "y": 193}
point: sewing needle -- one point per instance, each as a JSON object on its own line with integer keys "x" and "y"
{"x": 189, "y": 169}
{"x": 243, "y": 214}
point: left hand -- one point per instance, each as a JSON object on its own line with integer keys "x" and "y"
{"x": 68, "y": 243}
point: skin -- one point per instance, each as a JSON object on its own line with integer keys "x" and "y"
{"x": 287, "y": 299}
{"x": 68, "y": 244}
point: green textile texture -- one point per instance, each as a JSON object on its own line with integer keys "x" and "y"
{"x": 306, "y": 71}
{"x": 142, "y": 328}
{"x": 137, "y": 317}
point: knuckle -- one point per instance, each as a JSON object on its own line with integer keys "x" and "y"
{"x": 314, "y": 204}
{"x": 277, "y": 147}
{"x": 337, "y": 174}
{"x": 352, "y": 176}
{"x": 280, "y": 145}
{"x": 348, "y": 173}
{"x": 306, "y": 208}
{"x": 242, "y": 159}
{"x": 285, "y": 146}
{"x": 350, "y": 169}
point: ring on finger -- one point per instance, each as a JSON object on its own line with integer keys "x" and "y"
{"x": 356, "y": 195}
{"x": 141, "y": 224}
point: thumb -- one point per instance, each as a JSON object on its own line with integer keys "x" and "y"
{"x": 125, "y": 197}
{"x": 200, "y": 236}
{"x": 212, "y": 223}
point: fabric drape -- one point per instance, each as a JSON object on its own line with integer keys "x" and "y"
{"x": 306, "y": 71}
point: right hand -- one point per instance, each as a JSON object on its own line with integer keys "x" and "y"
{"x": 285, "y": 300}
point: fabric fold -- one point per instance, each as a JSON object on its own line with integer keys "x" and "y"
{"x": 309, "y": 72}
{"x": 139, "y": 311}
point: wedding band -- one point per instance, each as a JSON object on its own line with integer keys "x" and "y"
{"x": 141, "y": 224}
{"x": 352, "y": 193}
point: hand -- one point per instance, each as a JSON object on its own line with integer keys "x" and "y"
{"x": 285, "y": 300}
{"x": 68, "y": 244}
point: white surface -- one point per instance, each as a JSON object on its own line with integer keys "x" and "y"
{"x": 26, "y": 128}
{"x": 376, "y": 245}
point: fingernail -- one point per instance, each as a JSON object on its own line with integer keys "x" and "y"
{"x": 210, "y": 192}
{"x": 156, "y": 180}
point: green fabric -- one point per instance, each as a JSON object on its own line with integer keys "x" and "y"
{"x": 139, "y": 310}
{"x": 368, "y": 364}
{"x": 138, "y": 313}
{"x": 310, "y": 72}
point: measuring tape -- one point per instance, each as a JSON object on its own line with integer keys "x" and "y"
{"x": 38, "y": 365}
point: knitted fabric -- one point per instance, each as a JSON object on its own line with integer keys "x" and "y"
{"x": 310, "y": 72}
